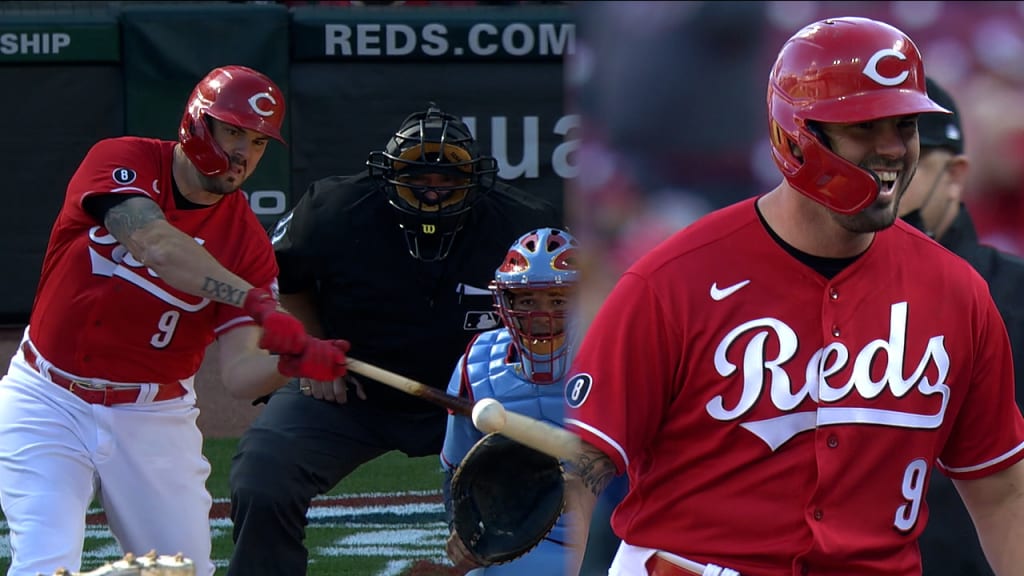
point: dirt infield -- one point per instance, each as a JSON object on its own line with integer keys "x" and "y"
{"x": 220, "y": 416}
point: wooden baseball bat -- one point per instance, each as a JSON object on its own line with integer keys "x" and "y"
{"x": 460, "y": 406}
{"x": 488, "y": 414}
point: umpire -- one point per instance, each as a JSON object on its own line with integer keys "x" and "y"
{"x": 933, "y": 204}
{"x": 396, "y": 259}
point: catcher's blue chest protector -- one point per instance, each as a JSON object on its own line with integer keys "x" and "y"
{"x": 490, "y": 375}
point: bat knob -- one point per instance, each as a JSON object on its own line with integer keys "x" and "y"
{"x": 489, "y": 416}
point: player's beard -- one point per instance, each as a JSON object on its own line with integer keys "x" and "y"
{"x": 226, "y": 183}
{"x": 881, "y": 213}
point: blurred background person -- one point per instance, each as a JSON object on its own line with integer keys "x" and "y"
{"x": 644, "y": 135}
{"x": 933, "y": 203}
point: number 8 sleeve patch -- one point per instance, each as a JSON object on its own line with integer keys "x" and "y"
{"x": 577, "y": 389}
{"x": 124, "y": 176}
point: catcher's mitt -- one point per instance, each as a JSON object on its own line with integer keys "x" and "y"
{"x": 148, "y": 565}
{"x": 505, "y": 498}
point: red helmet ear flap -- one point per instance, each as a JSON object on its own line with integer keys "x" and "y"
{"x": 817, "y": 172}
{"x": 831, "y": 180}
{"x": 197, "y": 142}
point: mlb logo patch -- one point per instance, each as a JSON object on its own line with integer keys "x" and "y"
{"x": 485, "y": 320}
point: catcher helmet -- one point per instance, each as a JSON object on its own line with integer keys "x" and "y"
{"x": 539, "y": 260}
{"x": 840, "y": 70}
{"x": 236, "y": 95}
{"x": 432, "y": 211}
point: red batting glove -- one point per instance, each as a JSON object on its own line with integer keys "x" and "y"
{"x": 282, "y": 332}
{"x": 323, "y": 361}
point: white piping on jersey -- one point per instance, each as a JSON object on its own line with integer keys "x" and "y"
{"x": 986, "y": 464}
{"x": 132, "y": 189}
{"x": 600, "y": 435}
{"x": 231, "y": 324}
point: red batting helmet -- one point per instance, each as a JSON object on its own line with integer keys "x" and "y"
{"x": 236, "y": 95}
{"x": 840, "y": 70}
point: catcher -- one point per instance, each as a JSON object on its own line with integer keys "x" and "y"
{"x": 503, "y": 500}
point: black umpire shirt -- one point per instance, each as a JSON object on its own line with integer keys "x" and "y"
{"x": 949, "y": 543}
{"x": 411, "y": 317}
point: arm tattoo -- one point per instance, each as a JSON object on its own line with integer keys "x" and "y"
{"x": 594, "y": 468}
{"x": 129, "y": 216}
{"x": 135, "y": 213}
{"x": 222, "y": 291}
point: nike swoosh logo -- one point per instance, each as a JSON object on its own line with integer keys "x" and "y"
{"x": 723, "y": 293}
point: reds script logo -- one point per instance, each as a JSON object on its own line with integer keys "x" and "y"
{"x": 824, "y": 363}
{"x": 118, "y": 261}
{"x": 871, "y": 68}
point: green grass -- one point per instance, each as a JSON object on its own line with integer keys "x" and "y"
{"x": 393, "y": 472}
{"x": 380, "y": 540}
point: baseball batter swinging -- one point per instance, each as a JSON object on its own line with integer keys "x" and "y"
{"x": 779, "y": 378}
{"x": 154, "y": 254}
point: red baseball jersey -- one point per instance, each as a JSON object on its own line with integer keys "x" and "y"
{"x": 99, "y": 313}
{"x": 774, "y": 421}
